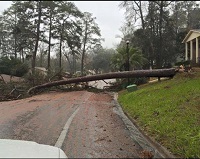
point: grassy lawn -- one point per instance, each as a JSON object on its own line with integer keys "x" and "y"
{"x": 169, "y": 112}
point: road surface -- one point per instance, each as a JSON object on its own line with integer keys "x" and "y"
{"x": 83, "y": 124}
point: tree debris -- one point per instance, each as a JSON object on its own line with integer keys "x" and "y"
{"x": 126, "y": 74}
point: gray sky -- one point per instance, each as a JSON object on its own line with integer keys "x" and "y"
{"x": 108, "y": 15}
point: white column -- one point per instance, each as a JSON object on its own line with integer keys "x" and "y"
{"x": 186, "y": 52}
{"x": 197, "y": 49}
{"x": 191, "y": 50}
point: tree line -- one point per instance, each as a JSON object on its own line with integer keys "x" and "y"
{"x": 162, "y": 27}
{"x": 34, "y": 31}
{"x": 29, "y": 27}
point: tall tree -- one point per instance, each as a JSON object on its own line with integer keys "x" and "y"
{"x": 135, "y": 10}
{"x": 39, "y": 15}
{"x": 188, "y": 7}
{"x": 25, "y": 28}
{"x": 66, "y": 17}
{"x": 90, "y": 30}
{"x": 50, "y": 14}
{"x": 101, "y": 60}
{"x": 151, "y": 39}
{"x": 10, "y": 21}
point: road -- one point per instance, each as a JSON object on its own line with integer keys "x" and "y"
{"x": 89, "y": 122}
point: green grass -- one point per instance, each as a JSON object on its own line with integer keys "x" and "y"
{"x": 169, "y": 112}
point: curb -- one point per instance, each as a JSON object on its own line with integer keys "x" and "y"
{"x": 139, "y": 136}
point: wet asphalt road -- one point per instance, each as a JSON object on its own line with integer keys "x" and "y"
{"x": 96, "y": 130}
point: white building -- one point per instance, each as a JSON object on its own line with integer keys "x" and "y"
{"x": 192, "y": 46}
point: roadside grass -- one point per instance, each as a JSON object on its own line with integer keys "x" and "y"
{"x": 169, "y": 112}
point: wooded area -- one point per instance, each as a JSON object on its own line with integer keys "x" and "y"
{"x": 58, "y": 37}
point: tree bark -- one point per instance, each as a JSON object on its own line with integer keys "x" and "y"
{"x": 49, "y": 49}
{"x": 84, "y": 45}
{"x": 60, "y": 49}
{"x": 15, "y": 36}
{"x": 74, "y": 62}
{"x": 139, "y": 5}
{"x": 70, "y": 64}
{"x": 159, "y": 55}
{"x": 22, "y": 55}
{"x": 126, "y": 74}
{"x": 37, "y": 36}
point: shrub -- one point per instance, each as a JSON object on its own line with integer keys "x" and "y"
{"x": 12, "y": 66}
{"x": 21, "y": 70}
{"x": 185, "y": 63}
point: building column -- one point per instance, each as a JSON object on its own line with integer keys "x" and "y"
{"x": 186, "y": 51}
{"x": 197, "y": 49}
{"x": 191, "y": 50}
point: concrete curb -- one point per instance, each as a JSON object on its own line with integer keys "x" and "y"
{"x": 137, "y": 135}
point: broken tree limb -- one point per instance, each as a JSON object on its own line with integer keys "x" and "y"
{"x": 126, "y": 74}
{"x": 2, "y": 79}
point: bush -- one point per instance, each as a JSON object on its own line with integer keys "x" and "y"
{"x": 5, "y": 65}
{"x": 21, "y": 70}
{"x": 138, "y": 81}
{"x": 12, "y": 66}
{"x": 185, "y": 63}
{"x": 167, "y": 65}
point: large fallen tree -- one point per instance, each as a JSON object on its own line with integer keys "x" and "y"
{"x": 126, "y": 74}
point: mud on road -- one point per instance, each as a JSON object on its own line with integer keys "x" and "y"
{"x": 97, "y": 130}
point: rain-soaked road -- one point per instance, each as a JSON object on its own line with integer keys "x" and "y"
{"x": 95, "y": 130}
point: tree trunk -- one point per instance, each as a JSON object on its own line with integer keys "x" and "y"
{"x": 74, "y": 62}
{"x": 15, "y": 36}
{"x": 22, "y": 55}
{"x": 152, "y": 35}
{"x": 70, "y": 65}
{"x": 61, "y": 38}
{"x": 159, "y": 55}
{"x": 49, "y": 50}
{"x": 126, "y": 74}
{"x": 37, "y": 37}
{"x": 60, "y": 52}
{"x": 139, "y": 5}
{"x": 41, "y": 57}
{"x": 15, "y": 46}
{"x": 83, "y": 53}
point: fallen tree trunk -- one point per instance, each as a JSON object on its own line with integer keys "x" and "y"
{"x": 126, "y": 74}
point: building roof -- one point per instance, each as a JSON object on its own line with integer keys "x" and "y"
{"x": 190, "y": 33}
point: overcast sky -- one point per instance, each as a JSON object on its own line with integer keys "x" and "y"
{"x": 108, "y": 15}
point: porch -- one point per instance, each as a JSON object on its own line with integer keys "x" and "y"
{"x": 192, "y": 46}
